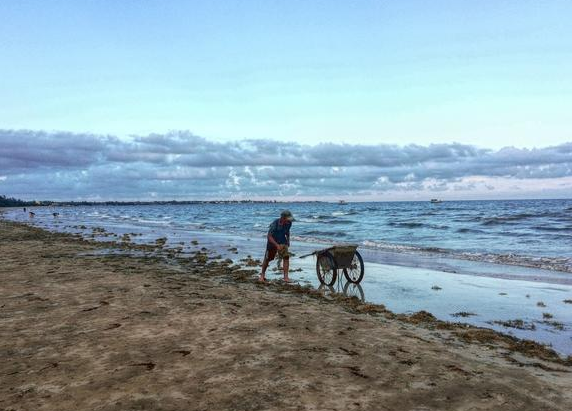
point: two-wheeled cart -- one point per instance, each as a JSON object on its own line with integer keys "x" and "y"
{"x": 339, "y": 257}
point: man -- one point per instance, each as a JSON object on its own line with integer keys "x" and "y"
{"x": 278, "y": 242}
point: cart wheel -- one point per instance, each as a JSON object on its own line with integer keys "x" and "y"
{"x": 354, "y": 290}
{"x": 326, "y": 269}
{"x": 354, "y": 273}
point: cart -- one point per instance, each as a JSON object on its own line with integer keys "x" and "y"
{"x": 338, "y": 257}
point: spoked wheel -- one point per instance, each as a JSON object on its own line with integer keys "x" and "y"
{"x": 326, "y": 269}
{"x": 354, "y": 290}
{"x": 354, "y": 273}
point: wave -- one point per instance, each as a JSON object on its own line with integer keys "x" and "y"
{"x": 330, "y": 219}
{"x": 552, "y": 228}
{"x": 498, "y": 220}
{"x": 558, "y": 214}
{"x": 469, "y": 230}
{"x": 320, "y": 217}
{"x": 400, "y": 247}
{"x": 341, "y": 213}
{"x": 512, "y": 233}
{"x": 341, "y": 222}
{"x": 406, "y": 224}
{"x": 439, "y": 227}
{"x": 548, "y": 263}
{"x": 559, "y": 236}
{"x": 195, "y": 226}
{"x": 516, "y": 217}
{"x": 150, "y": 221}
{"x": 325, "y": 234}
{"x": 416, "y": 224}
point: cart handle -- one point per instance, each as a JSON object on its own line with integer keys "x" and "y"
{"x": 307, "y": 255}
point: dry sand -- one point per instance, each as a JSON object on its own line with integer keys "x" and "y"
{"x": 81, "y": 330}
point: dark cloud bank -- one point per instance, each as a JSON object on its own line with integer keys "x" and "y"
{"x": 35, "y": 164}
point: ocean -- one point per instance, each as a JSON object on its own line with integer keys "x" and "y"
{"x": 496, "y": 260}
{"x": 520, "y": 232}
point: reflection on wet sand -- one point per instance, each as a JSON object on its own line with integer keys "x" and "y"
{"x": 346, "y": 288}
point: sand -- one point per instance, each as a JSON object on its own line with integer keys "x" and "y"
{"x": 85, "y": 330}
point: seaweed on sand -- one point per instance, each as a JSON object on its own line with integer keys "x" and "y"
{"x": 518, "y": 324}
{"x": 420, "y": 317}
{"x": 161, "y": 241}
{"x": 528, "y": 348}
{"x": 556, "y": 324}
{"x": 251, "y": 262}
{"x": 463, "y": 314}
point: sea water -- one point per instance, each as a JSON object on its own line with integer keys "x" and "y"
{"x": 495, "y": 260}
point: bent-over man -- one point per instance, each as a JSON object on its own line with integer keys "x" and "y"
{"x": 278, "y": 242}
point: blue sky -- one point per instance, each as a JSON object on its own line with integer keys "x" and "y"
{"x": 488, "y": 74}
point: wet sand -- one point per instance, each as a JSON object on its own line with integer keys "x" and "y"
{"x": 83, "y": 330}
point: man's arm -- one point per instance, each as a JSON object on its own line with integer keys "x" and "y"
{"x": 271, "y": 239}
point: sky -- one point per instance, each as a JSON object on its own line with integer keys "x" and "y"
{"x": 406, "y": 100}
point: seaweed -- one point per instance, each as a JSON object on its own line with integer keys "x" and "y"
{"x": 462, "y": 314}
{"x": 518, "y": 324}
{"x": 556, "y": 324}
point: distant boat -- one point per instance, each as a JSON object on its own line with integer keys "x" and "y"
{"x": 436, "y": 201}
{"x": 342, "y": 202}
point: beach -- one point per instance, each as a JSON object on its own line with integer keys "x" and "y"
{"x": 86, "y": 328}
{"x": 484, "y": 289}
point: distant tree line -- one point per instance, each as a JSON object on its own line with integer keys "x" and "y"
{"x": 14, "y": 202}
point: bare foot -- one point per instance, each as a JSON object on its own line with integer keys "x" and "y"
{"x": 286, "y": 280}
{"x": 262, "y": 279}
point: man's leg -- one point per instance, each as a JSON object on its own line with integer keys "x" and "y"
{"x": 264, "y": 267}
{"x": 286, "y": 265}
{"x": 268, "y": 256}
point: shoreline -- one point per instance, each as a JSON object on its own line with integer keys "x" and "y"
{"x": 418, "y": 256}
{"x": 62, "y": 295}
{"x": 525, "y": 321}
{"x": 522, "y": 302}
{"x": 229, "y": 262}
{"x": 433, "y": 258}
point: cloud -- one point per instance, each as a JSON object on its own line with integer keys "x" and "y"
{"x": 23, "y": 150}
{"x": 183, "y": 165}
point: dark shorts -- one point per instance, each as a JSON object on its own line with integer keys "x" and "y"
{"x": 271, "y": 252}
